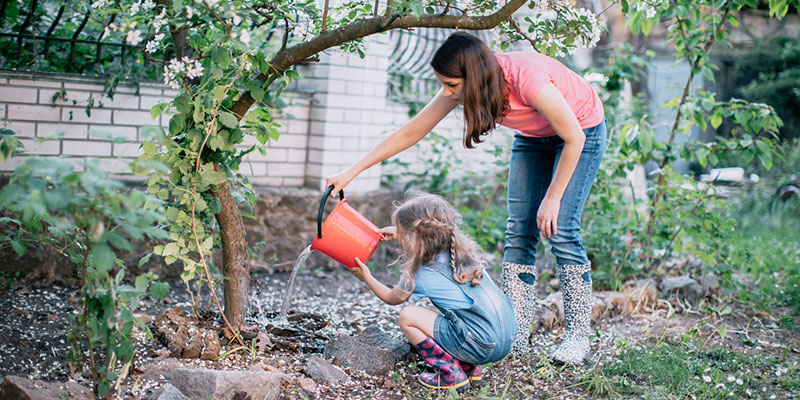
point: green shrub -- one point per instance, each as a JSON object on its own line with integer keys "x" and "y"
{"x": 95, "y": 217}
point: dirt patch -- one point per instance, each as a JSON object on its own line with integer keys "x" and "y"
{"x": 35, "y": 321}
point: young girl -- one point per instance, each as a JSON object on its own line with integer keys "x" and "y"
{"x": 557, "y": 150}
{"x": 475, "y": 324}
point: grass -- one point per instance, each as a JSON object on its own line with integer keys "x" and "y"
{"x": 684, "y": 369}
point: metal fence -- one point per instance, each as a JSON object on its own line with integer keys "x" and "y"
{"x": 64, "y": 36}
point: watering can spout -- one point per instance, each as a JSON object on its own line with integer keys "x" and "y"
{"x": 345, "y": 234}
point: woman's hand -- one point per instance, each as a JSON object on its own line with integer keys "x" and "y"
{"x": 547, "y": 217}
{"x": 388, "y": 233}
{"x": 339, "y": 181}
{"x": 362, "y": 272}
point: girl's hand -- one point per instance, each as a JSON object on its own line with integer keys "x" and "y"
{"x": 362, "y": 271}
{"x": 547, "y": 217}
{"x": 388, "y": 233}
{"x": 339, "y": 181}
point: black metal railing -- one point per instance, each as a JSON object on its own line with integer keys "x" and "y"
{"x": 73, "y": 40}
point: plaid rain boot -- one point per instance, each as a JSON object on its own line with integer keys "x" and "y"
{"x": 473, "y": 372}
{"x": 518, "y": 282}
{"x": 576, "y": 285}
{"x": 449, "y": 374}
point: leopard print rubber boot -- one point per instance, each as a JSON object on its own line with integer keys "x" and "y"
{"x": 518, "y": 280}
{"x": 576, "y": 286}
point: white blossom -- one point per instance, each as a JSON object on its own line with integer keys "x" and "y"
{"x": 134, "y": 37}
{"x": 706, "y": 379}
{"x": 99, "y": 3}
{"x": 236, "y": 19}
{"x": 148, "y": 4}
{"x": 244, "y": 36}
{"x": 135, "y": 7}
{"x": 151, "y": 46}
{"x": 193, "y": 68}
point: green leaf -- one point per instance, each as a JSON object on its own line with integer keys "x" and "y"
{"x": 716, "y": 119}
{"x": 10, "y": 194}
{"x": 18, "y": 246}
{"x": 103, "y": 258}
{"x": 257, "y": 93}
{"x": 119, "y": 241}
{"x": 158, "y": 290}
{"x": 176, "y": 124}
{"x": 157, "y": 109}
{"x": 646, "y": 142}
{"x": 145, "y": 259}
{"x": 228, "y": 119}
{"x": 171, "y": 249}
{"x": 222, "y": 57}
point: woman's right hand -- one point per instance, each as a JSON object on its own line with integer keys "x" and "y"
{"x": 339, "y": 181}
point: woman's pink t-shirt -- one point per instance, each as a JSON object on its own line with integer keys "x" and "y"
{"x": 525, "y": 74}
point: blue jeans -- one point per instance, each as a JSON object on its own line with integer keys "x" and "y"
{"x": 533, "y": 163}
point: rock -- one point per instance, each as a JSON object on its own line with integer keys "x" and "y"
{"x": 683, "y": 286}
{"x": 158, "y": 369}
{"x": 184, "y": 339}
{"x": 308, "y": 385}
{"x": 371, "y": 351}
{"x": 226, "y": 385}
{"x": 710, "y": 284}
{"x": 675, "y": 262}
{"x": 17, "y": 388}
{"x": 544, "y": 320}
{"x": 323, "y": 372}
{"x": 167, "y": 392}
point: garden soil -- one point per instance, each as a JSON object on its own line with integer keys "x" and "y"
{"x": 34, "y": 325}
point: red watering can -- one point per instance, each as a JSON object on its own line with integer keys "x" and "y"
{"x": 346, "y": 234}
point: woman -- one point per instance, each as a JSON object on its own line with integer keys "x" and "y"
{"x": 555, "y": 156}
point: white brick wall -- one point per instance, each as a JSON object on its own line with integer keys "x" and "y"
{"x": 36, "y": 108}
{"x": 339, "y": 111}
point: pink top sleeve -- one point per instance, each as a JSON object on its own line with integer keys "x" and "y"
{"x": 525, "y": 74}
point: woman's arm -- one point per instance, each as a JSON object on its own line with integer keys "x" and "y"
{"x": 554, "y": 108}
{"x": 405, "y": 137}
{"x": 391, "y": 297}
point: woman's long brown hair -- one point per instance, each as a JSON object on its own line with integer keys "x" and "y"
{"x": 428, "y": 225}
{"x": 466, "y": 57}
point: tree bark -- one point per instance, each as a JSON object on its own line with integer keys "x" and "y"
{"x": 236, "y": 264}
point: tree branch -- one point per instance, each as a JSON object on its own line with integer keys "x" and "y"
{"x": 521, "y": 32}
{"x": 288, "y": 57}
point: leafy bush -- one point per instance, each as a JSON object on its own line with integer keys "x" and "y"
{"x": 769, "y": 73}
{"x": 95, "y": 217}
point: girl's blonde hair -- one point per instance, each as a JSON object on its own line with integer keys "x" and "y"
{"x": 428, "y": 225}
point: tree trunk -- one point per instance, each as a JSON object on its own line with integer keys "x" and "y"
{"x": 236, "y": 264}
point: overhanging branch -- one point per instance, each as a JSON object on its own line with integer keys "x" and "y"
{"x": 288, "y": 57}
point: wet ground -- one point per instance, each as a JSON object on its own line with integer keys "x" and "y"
{"x": 34, "y": 323}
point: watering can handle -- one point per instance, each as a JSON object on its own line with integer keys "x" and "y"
{"x": 322, "y": 207}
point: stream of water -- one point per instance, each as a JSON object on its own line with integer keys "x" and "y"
{"x": 287, "y": 297}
